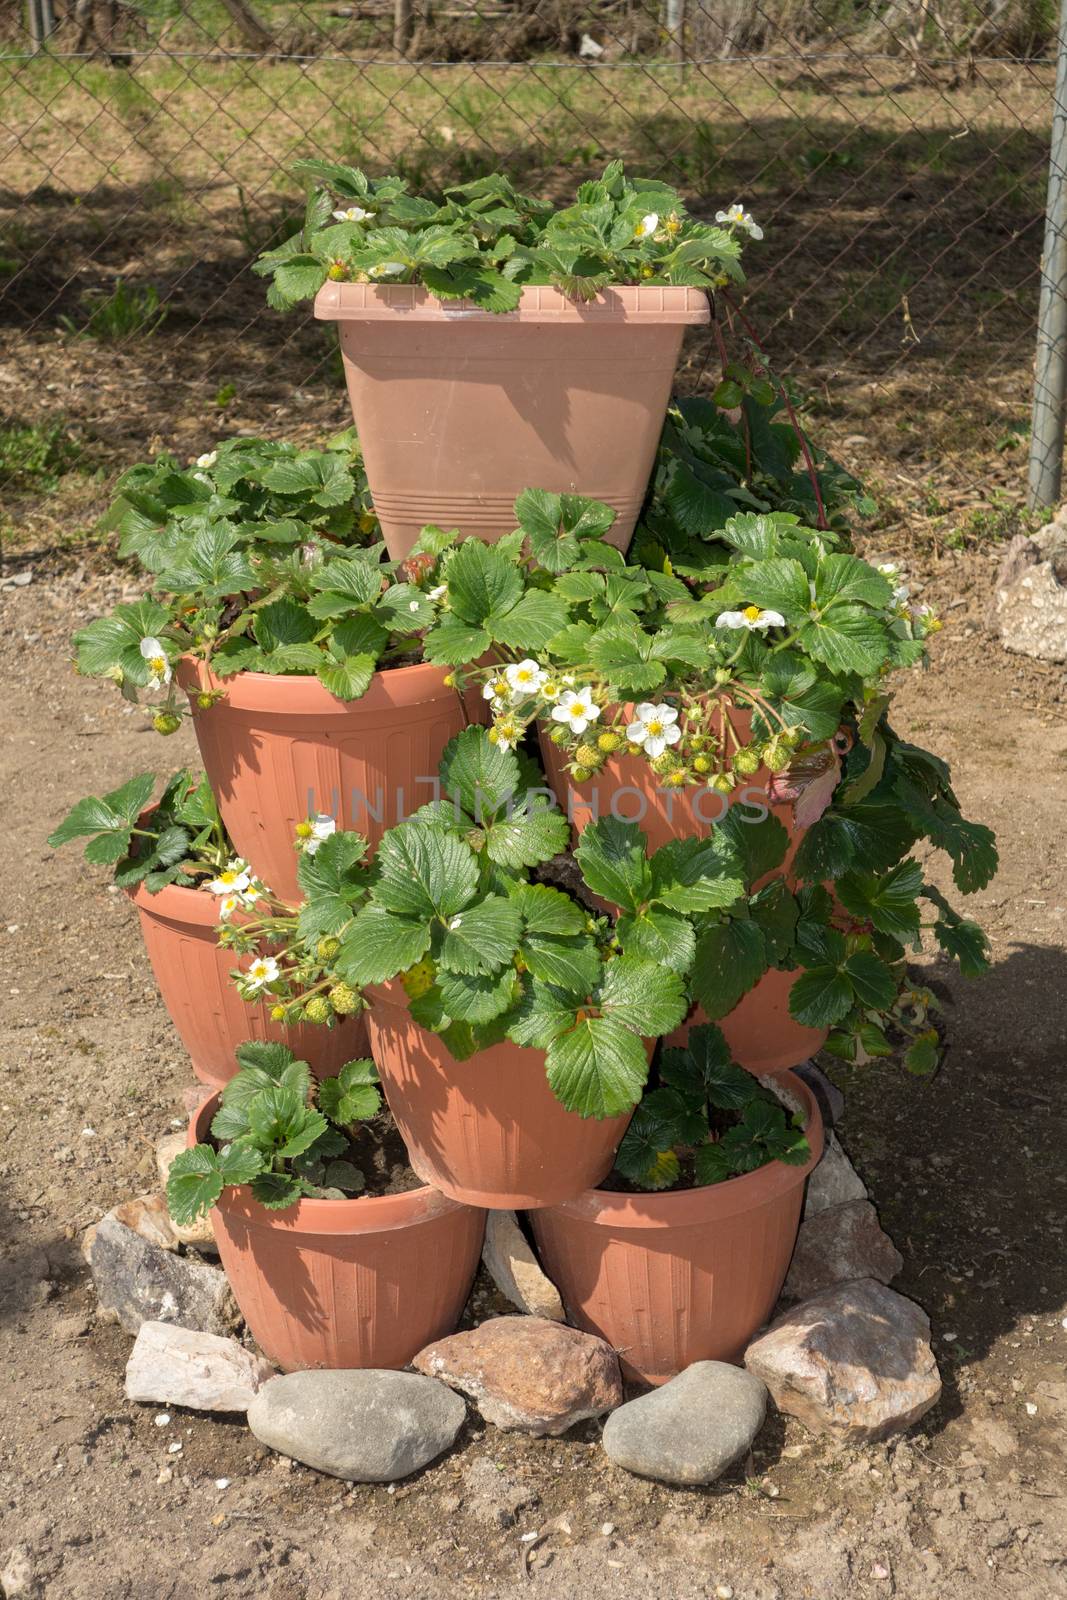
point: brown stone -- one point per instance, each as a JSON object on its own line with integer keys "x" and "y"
{"x": 147, "y": 1215}
{"x": 837, "y": 1245}
{"x": 515, "y": 1269}
{"x": 528, "y": 1374}
{"x": 854, "y": 1362}
{"x": 200, "y": 1234}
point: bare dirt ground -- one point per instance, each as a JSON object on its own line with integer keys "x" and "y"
{"x": 967, "y": 1170}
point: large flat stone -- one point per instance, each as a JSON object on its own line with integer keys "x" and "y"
{"x": 854, "y": 1362}
{"x": 175, "y": 1366}
{"x": 367, "y": 1426}
{"x": 527, "y": 1373}
{"x": 838, "y": 1244}
{"x": 693, "y": 1428}
{"x": 138, "y": 1282}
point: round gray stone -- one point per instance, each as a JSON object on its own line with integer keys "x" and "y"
{"x": 368, "y": 1426}
{"x": 693, "y": 1428}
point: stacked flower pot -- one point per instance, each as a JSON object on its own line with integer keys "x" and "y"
{"x": 575, "y": 1011}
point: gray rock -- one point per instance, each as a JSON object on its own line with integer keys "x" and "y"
{"x": 831, "y": 1100}
{"x": 693, "y": 1428}
{"x": 137, "y": 1282}
{"x": 854, "y": 1362}
{"x": 528, "y": 1374}
{"x": 367, "y": 1426}
{"x": 835, "y": 1180}
{"x": 180, "y": 1367}
{"x": 18, "y": 1578}
{"x": 837, "y": 1245}
{"x": 494, "y": 1496}
{"x": 1029, "y": 607}
{"x": 515, "y": 1269}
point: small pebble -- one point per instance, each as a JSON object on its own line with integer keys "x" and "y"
{"x": 723, "y": 1591}
{"x": 222, "y": 1483}
{"x": 879, "y": 1571}
{"x": 88, "y": 1133}
{"x": 1031, "y": 1409}
{"x": 161, "y": 1419}
{"x": 165, "y": 1474}
{"x": 525, "y": 1538}
{"x": 174, "y": 1446}
{"x": 607, "y": 1529}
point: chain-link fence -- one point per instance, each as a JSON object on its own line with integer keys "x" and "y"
{"x": 895, "y": 155}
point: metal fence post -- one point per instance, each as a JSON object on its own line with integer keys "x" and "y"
{"x": 1050, "y": 367}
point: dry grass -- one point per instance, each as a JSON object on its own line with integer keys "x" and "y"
{"x": 897, "y": 285}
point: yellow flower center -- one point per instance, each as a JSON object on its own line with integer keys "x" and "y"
{"x": 752, "y": 613}
{"x": 158, "y": 663}
{"x": 655, "y": 728}
{"x": 578, "y": 709}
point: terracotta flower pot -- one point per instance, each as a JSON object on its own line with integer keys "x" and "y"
{"x": 627, "y": 788}
{"x": 487, "y": 1131}
{"x": 459, "y": 409}
{"x": 759, "y": 1030}
{"x": 277, "y": 749}
{"x": 346, "y": 1283}
{"x": 669, "y": 1279}
{"x": 193, "y": 973}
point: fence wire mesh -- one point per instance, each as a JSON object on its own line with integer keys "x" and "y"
{"x": 895, "y": 155}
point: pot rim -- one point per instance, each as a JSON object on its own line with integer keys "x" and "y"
{"x": 712, "y": 1203}
{"x": 369, "y": 1214}
{"x": 301, "y": 694}
{"x": 641, "y": 303}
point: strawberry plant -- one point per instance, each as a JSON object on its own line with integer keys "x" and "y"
{"x": 484, "y": 241}
{"x": 258, "y": 560}
{"x": 705, "y": 1120}
{"x": 280, "y": 1133}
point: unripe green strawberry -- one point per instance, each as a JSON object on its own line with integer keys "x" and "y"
{"x": 587, "y": 755}
{"x": 775, "y": 758}
{"x": 581, "y": 774}
{"x": 559, "y": 735}
{"x": 419, "y": 979}
{"x": 676, "y": 778}
{"x": 723, "y": 675}
{"x": 609, "y": 742}
{"x": 277, "y": 1013}
{"x": 697, "y": 741}
{"x": 205, "y": 701}
{"x": 166, "y": 722}
{"x": 723, "y": 782}
{"x": 746, "y": 761}
{"x": 318, "y": 1009}
{"x": 327, "y": 948}
{"x": 701, "y": 764}
{"x": 663, "y": 764}
{"x": 344, "y": 999}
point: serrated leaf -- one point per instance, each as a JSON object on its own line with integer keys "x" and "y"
{"x": 730, "y": 958}
{"x": 614, "y": 863}
{"x": 646, "y": 997}
{"x": 598, "y": 1068}
{"x": 482, "y": 938}
{"x": 477, "y": 998}
{"x": 378, "y": 944}
{"x": 424, "y": 871}
{"x": 659, "y": 935}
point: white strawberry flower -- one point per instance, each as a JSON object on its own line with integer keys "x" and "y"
{"x": 454, "y": 924}
{"x": 647, "y": 226}
{"x": 654, "y": 727}
{"x": 353, "y": 214}
{"x": 576, "y": 710}
{"x": 552, "y": 688}
{"x": 524, "y": 678}
{"x": 154, "y": 653}
{"x": 505, "y": 733}
{"x": 322, "y": 827}
{"x": 754, "y": 618}
{"x": 437, "y": 593}
{"x": 228, "y": 905}
{"x": 736, "y": 216}
{"x": 386, "y": 269}
{"x": 233, "y": 879}
{"x": 208, "y": 459}
{"x": 263, "y": 971}
{"x": 888, "y": 569}
{"x": 497, "y": 691}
